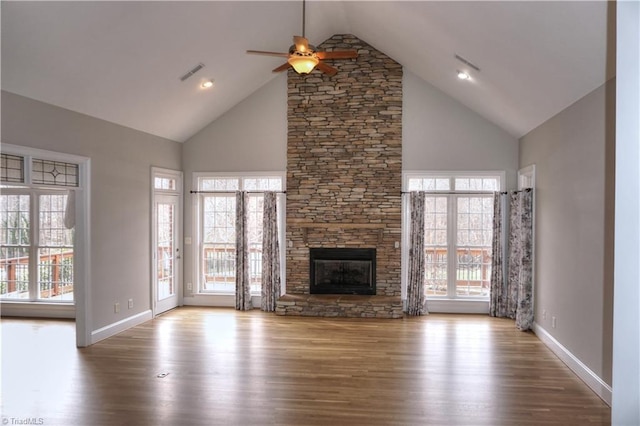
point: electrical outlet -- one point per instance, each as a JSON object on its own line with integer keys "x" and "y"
{"x": 189, "y": 286}
{"x": 553, "y": 322}
{"x": 544, "y": 314}
{"x": 116, "y": 307}
{"x": 130, "y": 303}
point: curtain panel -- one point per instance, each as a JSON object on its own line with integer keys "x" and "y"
{"x": 497, "y": 300}
{"x": 270, "y": 253}
{"x": 243, "y": 289}
{"x": 415, "y": 286}
{"x": 513, "y": 297}
{"x": 523, "y": 238}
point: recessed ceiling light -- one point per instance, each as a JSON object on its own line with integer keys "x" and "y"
{"x": 463, "y": 75}
{"x": 207, "y": 84}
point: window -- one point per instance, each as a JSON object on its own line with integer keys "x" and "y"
{"x": 35, "y": 243}
{"x": 458, "y": 231}
{"x": 217, "y": 228}
{"x": 36, "y": 246}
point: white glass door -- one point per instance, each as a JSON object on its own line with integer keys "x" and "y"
{"x": 166, "y": 252}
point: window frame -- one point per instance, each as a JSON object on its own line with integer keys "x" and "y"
{"x": 452, "y": 195}
{"x": 198, "y": 221}
{"x": 81, "y": 307}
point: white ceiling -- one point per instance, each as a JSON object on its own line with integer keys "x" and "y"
{"x": 121, "y": 61}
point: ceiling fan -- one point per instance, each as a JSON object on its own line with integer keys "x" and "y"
{"x": 304, "y": 58}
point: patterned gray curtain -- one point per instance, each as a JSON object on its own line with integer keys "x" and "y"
{"x": 523, "y": 237}
{"x": 415, "y": 286}
{"x": 243, "y": 289}
{"x": 498, "y": 305}
{"x": 270, "y": 253}
{"x": 515, "y": 254}
{"x": 514, "y": 298}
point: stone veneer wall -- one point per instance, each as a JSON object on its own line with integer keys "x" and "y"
{"x": 344, "y": 164}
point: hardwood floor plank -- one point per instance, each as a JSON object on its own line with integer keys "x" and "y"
{"x": 225, "y": 367}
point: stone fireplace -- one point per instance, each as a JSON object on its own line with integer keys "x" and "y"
{"x": 344, "y": 172}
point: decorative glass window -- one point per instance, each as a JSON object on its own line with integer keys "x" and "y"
{"x": 43, "y": 172}
{"x": 12, "y": 168}
{"x": 58, "y": 173}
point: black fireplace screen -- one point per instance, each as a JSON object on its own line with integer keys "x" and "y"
{"x": 342, "y": 271}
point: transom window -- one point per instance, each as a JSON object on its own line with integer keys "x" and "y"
{"x": 458, "y": 231}
{"x": 165, "y": 183}
{"x": 13, "y": 169}
{"x": 217, "y": 228}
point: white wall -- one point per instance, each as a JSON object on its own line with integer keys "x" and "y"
{"x": 439, "y": 133}
{"x": 626, "y": 339}
{"x": 121, "y": 159}
{"x": 573, "y": 154}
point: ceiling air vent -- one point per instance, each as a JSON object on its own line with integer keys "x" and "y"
{"x": 192, "y": 72}
{"x": 464, "y": 61}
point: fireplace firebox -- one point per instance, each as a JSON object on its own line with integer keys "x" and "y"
{"x": 342, "y": 271}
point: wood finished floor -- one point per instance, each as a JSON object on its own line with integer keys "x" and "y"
{"x": 251, "y": 368}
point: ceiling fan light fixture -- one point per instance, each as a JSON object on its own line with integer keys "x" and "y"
{"x": 303, "y": 64}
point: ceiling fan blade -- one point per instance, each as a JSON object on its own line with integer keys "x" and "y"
{"x": 327, "y": 69}
{"x": 302, "y": 44}
{"x": 338, "y": 54}
{"x": 282, "y": 67}
{"x": 261, "y": 52}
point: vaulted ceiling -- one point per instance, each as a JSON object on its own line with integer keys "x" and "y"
{"x": 121, "y": 61}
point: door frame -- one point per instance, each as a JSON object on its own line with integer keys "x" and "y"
{"x": 156, "y": 193}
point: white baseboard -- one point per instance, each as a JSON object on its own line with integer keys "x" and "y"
{"x": 217, "y": 300}
{"x": 38, "y": 310}
{"x": 120, "y": 326}
{"x": 457, "y": 306}
{"x": 590, "y": 378}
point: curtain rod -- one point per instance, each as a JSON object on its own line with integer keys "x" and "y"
{"x": 467, "y": 192}
{"x": 233, "y": 192}
{"x": 403, "y": 192}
